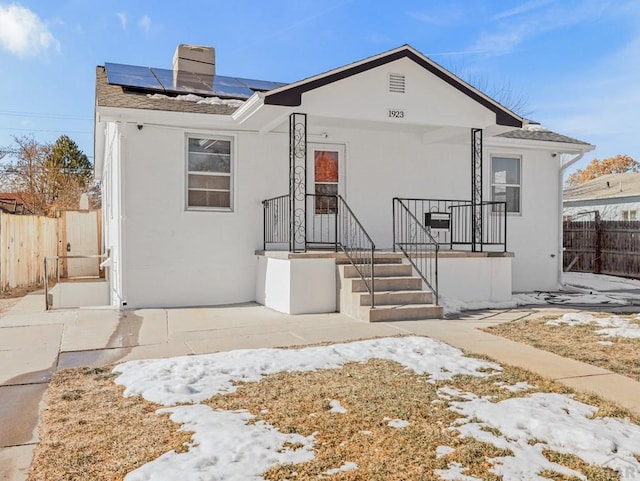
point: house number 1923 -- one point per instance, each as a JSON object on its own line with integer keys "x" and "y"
{"x": 396, "y": 114}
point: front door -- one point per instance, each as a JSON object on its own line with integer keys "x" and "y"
{"x": 325, "y": 181}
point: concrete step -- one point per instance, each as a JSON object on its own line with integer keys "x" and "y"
{"x": 387, "y": 298}
{"x": 381, "y": 270}
{"x": 389, "y": 284}
{"x": 378, "y": 258}
{"x": 405, "y": 313}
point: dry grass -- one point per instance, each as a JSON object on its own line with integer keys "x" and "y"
{"x": 90, "y": 432}
{"x": 576, "y": 342}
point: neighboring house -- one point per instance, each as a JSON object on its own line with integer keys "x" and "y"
{"x": 13, "y": 203}
{"x": 204, "y": 177}
{"x": 614, "y": 196}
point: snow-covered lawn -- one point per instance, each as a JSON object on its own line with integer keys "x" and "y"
{"x": 605, "y": 340}
{"x": 396, "y": 409}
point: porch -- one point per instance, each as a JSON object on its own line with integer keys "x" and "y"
{"x": 339, "y": 268}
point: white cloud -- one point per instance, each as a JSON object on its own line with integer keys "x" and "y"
{"x": 22, "y": 33}
{"x": 123, "y": 19}
{"x": 145, "y": 23}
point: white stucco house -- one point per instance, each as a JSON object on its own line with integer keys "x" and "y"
{"x": 614, "y": 196}
{"x": 376, "y": 188}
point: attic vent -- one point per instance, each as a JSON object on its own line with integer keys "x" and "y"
{"x": 396, "y": 83}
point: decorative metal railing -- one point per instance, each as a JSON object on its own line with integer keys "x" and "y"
{"x": 417, "y": 244}
{"x": 451, "y": 222}
{"x": 329, "y": 225}
{"x": 276, "y": 223}
{"x": 357, "y": 245}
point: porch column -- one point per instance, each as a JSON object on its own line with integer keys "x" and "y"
{"x": 298, "y": 182}
{"x": 476, "y": 190}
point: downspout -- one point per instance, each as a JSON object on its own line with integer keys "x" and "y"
{"x": 563, "y": 167}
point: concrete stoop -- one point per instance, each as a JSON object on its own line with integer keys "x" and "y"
{"x": 399, "y": 295}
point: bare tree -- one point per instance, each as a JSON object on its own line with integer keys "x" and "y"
{"x": 49, "y": 177}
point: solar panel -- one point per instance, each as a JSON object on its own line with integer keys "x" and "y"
{"x": 230, "y": 87}
{"x": 260, "y": 85}
{"x": 132, "y": 76}
{"x": 182, "y": 82}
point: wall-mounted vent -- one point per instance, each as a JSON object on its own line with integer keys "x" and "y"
{"x": 396, "y": 83}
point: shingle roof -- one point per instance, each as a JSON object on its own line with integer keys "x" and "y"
{"x": 117, "y": 96}
{"x": 540, "y": 134}
{"x": 605, "y": 187}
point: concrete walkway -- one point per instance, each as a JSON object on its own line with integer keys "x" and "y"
{"x": 34, "y": 344}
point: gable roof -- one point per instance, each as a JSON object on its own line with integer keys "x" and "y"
{"x": 605, "y": 187}
{"x": 291, "y": 95}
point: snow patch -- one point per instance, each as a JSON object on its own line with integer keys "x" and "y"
{"x": 336, "y": 407}
{"x": 396, "y": 423}
{"x": 199, "y": 100}
{"x": 551, "y": 421}
{"x": 455, "y": 472}
{"x": 347, "y": 466}
{"x": 443, "y": 451}
{"x": 198, "y": 378}
{"x": 611, "y": 326}
{"x": 517, "y": 387}
{"x": 225, "y": 446}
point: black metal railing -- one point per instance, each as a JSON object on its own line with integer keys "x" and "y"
{"x": 276, "y": 223}
{"x": 450, "y": 222}
{"x": 321, "y": 226}
{"x": 417, "y": 244}
{"x": 329, "y": 225}
{"x": 357, "y": 245}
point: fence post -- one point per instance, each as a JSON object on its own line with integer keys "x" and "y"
{"x": 597, "y": 262}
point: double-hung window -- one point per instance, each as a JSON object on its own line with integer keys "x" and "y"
{"x": 209, "y": 173}
{"x": 506, "y": 181}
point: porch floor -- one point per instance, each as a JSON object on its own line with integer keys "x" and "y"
{"x": 379, "y": 254}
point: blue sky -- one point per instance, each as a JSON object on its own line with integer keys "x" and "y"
{"x": 576, "y": 62}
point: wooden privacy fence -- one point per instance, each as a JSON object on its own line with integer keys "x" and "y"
{"x": 25, "y": 240}
{"x": 602, "y": 247}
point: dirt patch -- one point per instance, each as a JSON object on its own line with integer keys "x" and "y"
{"x": 11, "y": 297}
{"x": 617, "y": 354}
{"x": 91, "y": 432}
{"x": 7, "y": 304}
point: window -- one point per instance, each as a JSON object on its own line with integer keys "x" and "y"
{"x": 326, "y": 181}
{"x": 629, "y": 215}
{"x": 209, "y": 173}
{"x": 506, "y": 181}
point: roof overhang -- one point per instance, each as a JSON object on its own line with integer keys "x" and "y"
{"x": 529, "y": 144}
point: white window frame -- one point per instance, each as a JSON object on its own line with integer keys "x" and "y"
{"x": 519, "y": 186}
{"x": 627, "y": 214}
{"x": 232, "y": 169}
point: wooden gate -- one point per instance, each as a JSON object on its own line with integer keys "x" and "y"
{"x": 80, "y": 236}
{"x": 602, "y": 247}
